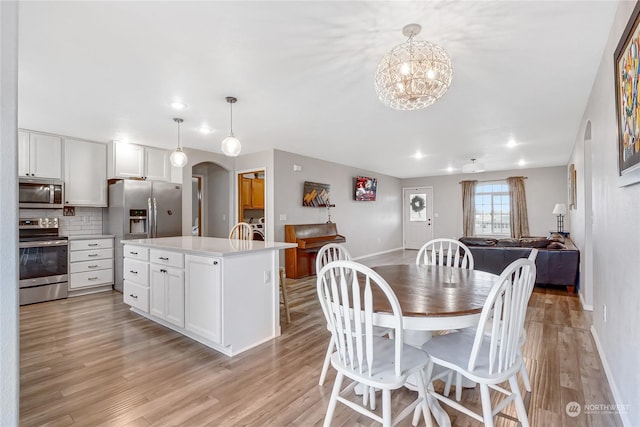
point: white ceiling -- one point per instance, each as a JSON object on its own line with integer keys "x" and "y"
{"x": 303, "y": 75}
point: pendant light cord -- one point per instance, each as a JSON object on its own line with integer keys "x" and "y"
{"x": 231, "y": 118}
{"x": 179, "y": 137}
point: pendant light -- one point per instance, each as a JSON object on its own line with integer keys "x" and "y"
{"x": 231, "y": 145}
{"x": 178, "y": 157}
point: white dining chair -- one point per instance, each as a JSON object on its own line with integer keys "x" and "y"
{"x": 490, "y": 359}
{"x": 329, "y": 253}
{"x": 241, "y": 231}
{"x": 347, "y": 294}
{"x": 446, "y": 253}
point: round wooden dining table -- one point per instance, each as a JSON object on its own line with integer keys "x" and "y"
{"x": 433, "y": 298}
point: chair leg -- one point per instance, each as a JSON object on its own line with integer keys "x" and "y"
{"x": 386, "y": 408}
{"x": 458, "y": 386}
{"x": 520, "y": 409}
{"x": 327, "y": 361}
{"x": 525, "y": 377}
{"x": 283, "y": 288}
{"x": 486, "y": 405}
{"x": 422, "y": 392}
{"x": 447, "y": 384}
{"x": 337, "y": 385}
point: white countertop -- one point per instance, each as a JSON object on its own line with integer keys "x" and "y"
{"x": 90, "y": 236}
{"x": 209, "y": 245}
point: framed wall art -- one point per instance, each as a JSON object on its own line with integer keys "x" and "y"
{"x": 315, "y": 194}
{"x": 366, "y": 188}
{"x": 627, "y": 78}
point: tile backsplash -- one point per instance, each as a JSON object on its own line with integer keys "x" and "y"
{"x": 86, "y": 220}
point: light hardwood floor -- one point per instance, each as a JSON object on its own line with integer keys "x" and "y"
{"x": 89, "y": 361}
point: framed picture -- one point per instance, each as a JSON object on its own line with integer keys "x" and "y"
{"x": 573, "y": 191}
{"x": 366, "y": 188}
{"x": 627, "y": 79}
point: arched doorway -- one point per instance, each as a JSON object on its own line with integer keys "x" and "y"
{"x": 210, "y": 200}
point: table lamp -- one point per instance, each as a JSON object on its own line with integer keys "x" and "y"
{"x": 560, "y": 210}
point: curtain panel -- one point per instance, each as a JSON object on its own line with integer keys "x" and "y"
{"x": 468, "y": 207}
{"x": 518, "y": 204}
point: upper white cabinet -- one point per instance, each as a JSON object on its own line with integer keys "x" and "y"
{"x": 138, "y": 161}
{"x": 39, "y": 155}
{"x": 85, "y": 173}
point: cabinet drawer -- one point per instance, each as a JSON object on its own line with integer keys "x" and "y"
{"x": 82, "y": 266}
{"x": 173, "y": 259}
{"x": 90, "y": 278}
{"x": 81, "y": 245}
{"x": 136, "y": 296}
{"x": 136, "y": 252}
{"x": 90, "y": 255}
{"x": 136, "y": 271}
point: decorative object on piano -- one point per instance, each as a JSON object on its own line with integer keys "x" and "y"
{"x": 627, "y": 75}
{"x": 414, "y": 75}
{"x": 418, "y": 211}
{"x": 366, "y": 189}
{"x": 315, "y": 194}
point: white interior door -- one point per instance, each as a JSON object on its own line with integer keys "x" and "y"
{"x": 417, "y": 216}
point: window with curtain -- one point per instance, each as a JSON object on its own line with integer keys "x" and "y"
{"x": 492, "y": 209}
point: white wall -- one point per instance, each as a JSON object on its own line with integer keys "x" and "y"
{"x": 615, "y": 236}
{"x": 9, "y": 336}
{"x": 544, "y": 188}
{"x": 370, "y": 227}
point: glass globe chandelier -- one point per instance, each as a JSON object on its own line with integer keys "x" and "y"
{"x": 231, "y": 145}
{"x": 178, "y": 158}
{"x": 414, "y": 74}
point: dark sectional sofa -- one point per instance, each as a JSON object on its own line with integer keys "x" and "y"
{"x": 557, "y": 262}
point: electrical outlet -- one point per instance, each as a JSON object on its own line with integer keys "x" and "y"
{"x": 283, "y": 217}
{"x": 604, "y": 313}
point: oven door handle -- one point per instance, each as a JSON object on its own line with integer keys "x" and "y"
{"x": 41, "y": 244}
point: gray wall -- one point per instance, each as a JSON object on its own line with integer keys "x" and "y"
{"x": 9, "y": 336}
{"x": 370, "y": 227}
{"x": 609, "y": 233}
{"x": 544, "y": 188}
{"x": 216, "y": 186}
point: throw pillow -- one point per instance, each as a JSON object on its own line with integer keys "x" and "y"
{"x": 534, "y": 242}
{"x": 556, "y": 245}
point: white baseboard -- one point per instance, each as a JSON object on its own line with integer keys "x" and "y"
{"x": 378, "y": 253}
{"x": 612, "y": 384}
{"x": 585, "y": 307}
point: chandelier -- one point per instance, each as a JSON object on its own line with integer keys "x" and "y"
{"x": 414, "y": 75}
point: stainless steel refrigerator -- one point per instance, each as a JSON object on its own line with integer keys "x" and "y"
{"x": 141, "y": 210}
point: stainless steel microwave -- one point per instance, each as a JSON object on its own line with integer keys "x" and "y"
{"x": 40, "y": 193}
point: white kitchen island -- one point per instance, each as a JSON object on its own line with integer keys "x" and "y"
{"x": 223, "y": 293}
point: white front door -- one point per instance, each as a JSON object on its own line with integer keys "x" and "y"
{"x": 417, "y": 214}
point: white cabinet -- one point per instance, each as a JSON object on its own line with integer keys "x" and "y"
{"x": 134, "y": 161}
{"x": 136, "y": 277}
{"x": 39, "y": 155}
{"x": 90, "y": 264}
{"x": 157, "y": 164}
{"x": 85, "y": 173}
{"x": 166, "y": 298}
{"x": 203, "y": 297}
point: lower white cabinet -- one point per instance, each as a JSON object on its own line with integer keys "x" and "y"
{"x": 90, "y": 263}
{"x": 166, "y": 292}
{"x": 203, "y": 296}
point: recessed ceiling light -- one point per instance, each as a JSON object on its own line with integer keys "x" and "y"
{"x": 177, "y": 105}
{"x": 418, "y": 155}
{"x": 206, "y": 130}
{"x": 522, "y": 162}
{"x": 512, "y": 143}
{"x": 450, "y": 169}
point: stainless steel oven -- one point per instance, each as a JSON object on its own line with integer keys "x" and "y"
{"x": 43, "y": 261}
{"x": 40, "y": 193}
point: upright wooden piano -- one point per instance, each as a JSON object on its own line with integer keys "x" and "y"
{"x": 301, "y": 261}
